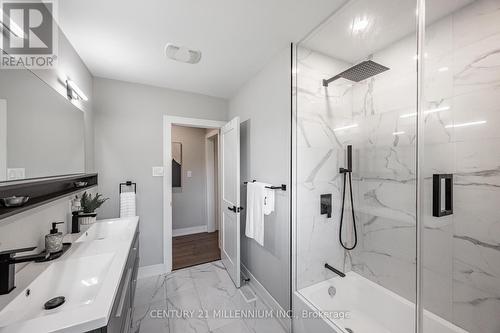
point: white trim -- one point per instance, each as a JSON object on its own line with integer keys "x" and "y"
{"x": 267, "y": 298}
{"x": 168, "y": 121}
{"x": 211, "y": 138}
{"x": 189, "y": 231}
{"x": 210, "y": 183}
{"x": 195, "y": 122}
{"x": 147, "y": 271}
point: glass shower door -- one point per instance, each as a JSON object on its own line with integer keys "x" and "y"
{"x": 356, "y": 85}
{"x": 461, "y": 245}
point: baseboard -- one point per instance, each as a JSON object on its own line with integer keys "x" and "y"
{"x": 147, "y": 271}
{"x": 267, "y": 298}
{"x": 189, "y": 231}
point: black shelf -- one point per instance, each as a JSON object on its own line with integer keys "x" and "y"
{"x": 42, "y": 191}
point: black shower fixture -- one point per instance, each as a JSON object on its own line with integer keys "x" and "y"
{"x": 359, "y": 72}
{"x": 347, "y": 172}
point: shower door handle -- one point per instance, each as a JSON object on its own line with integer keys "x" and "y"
{"x": 442, "y": 190}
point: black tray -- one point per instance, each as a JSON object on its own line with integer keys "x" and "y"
{"x": 54, "y": 255}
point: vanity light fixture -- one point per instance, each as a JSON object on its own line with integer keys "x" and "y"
{"x": 74, "y": 92}
{"x": 472, "y": 123}
{"x": 345, "y": 127}
{"x": 409, "y": 115}
{"x": 12, "y": 28}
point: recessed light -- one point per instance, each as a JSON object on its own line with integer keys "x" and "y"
{"x": 360, "y": 24}
{"x": 443, "y": 69}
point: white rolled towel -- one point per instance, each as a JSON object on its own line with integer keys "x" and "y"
{"x": 127, "y": 204}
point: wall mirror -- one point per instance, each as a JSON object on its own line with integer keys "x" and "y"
{"x": 41, "y": 131}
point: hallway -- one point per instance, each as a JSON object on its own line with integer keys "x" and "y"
{"x": 195, "y": 249}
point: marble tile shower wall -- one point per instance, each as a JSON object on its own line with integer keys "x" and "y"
{"x": 462, "y": 251}
{"x": 319, "y": 153}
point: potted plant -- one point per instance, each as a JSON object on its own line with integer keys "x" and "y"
{"x": 89, "y": 205}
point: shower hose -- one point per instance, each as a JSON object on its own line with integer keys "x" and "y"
{"x": 346, "y": 174}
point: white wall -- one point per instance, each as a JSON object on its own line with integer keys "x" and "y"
{"x": 189, "y": 202}
{"x": 129, "y": 135}
{"x": 264, "y": 107}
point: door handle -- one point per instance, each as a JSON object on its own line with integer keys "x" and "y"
{"x": 438, "y": 193}
{"x": 235, "y": 209}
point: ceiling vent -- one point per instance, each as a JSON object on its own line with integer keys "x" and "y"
{"x": 182, "y": 54}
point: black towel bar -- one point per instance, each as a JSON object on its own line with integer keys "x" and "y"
{"x": 282, "y": 187}
{"x": 128, "y": 183}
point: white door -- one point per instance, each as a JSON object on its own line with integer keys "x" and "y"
{"x": 230, "y": 229}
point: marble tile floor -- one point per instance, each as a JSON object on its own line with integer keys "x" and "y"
{"x": 198, "y": 299}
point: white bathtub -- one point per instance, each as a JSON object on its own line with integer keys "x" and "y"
{"x": 370, "y": 308}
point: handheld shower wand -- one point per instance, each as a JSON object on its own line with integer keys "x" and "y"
{"x": 347, "y": 172}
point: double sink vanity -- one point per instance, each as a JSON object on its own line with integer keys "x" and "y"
{"x": 96, "y": 276}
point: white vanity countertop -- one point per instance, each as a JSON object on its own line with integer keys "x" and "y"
{"x": 88, "y": 275}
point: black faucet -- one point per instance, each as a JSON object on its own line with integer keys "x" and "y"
{"x": 75, "y": 222}
{"x": 7, "y": 269}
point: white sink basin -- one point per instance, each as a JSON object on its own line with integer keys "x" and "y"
{"x": 78, "y": 280}
{"x": 113, "y": 229}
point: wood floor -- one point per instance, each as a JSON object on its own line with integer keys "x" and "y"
{"x": 191, "y": 250}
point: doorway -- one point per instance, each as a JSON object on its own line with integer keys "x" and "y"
{"x": 192, "y": 235}
{"x": 194, "y": 196}
{"x": 228, "y": 208}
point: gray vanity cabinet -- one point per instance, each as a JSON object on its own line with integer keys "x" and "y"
{"x": 120, "y": 320}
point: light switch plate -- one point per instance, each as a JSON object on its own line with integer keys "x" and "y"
{"x": 158, "y": 171}
{"x": 189, "y": 174}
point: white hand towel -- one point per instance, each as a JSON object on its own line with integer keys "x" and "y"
{"x": 255, "y": 212}
{"x": 127, "y": 204}
{"x": 268, "y": 199}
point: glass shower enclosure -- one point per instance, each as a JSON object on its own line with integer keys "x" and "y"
{"x": 396, "y": 167}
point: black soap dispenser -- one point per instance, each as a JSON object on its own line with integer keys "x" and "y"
{"x": 54, "y": 240}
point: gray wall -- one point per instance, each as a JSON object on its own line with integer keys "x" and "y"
{"x": 263, "y": 106}
{"x": 129, "y": 142}
{"x": 189, "y": 202}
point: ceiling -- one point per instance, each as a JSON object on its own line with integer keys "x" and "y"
{"x": 386, "y": 21}
{"x": 124, "y": 40}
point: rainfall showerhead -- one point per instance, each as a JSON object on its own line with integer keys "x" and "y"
{"x": 359, "y": 72}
